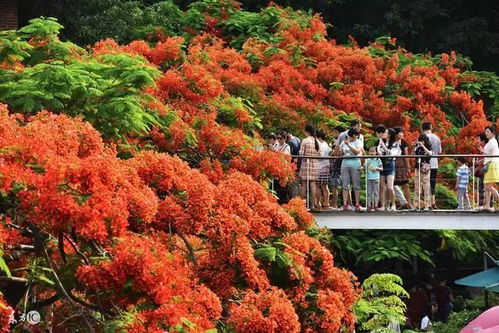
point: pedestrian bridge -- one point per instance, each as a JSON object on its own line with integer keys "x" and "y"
{"x": 410, "y": 220}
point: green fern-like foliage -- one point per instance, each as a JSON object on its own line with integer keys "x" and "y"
{"x": 381, "y": 303}
{"x": 60, "y": 77}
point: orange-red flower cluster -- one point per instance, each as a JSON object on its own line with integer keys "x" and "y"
{"x": 67, "y": 181}
{"x": 5, "y": 315}
{"x": 144, "y": 274}
{"x": 323, "y": 294}
{"x": 265, "y": 312}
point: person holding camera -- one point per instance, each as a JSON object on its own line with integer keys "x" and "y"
{"x": 423, "y": 170}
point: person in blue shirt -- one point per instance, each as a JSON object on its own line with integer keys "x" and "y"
{"x": 373, "y": 168}
{"x": 350, "y": 167}
{"x": 463, "y": 178}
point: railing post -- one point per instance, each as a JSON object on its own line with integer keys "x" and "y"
{"x": 419, "y": 184}
{"x": 472, "y": 174}
{"x": 366, "y": 196}
{"x": 308, "y": 183}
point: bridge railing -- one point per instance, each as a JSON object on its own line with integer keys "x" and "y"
{"x": 447, "y": 168}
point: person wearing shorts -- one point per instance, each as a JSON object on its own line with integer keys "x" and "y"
{"x": 350, "y": 168}
{"x": 387, "y": 176}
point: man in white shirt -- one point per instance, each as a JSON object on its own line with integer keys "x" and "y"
{"x": 356, "y": 125}
{"x": 436, "y": 149}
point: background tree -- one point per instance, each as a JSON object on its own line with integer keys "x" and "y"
{"x": 421, "y": 26}
{"x": 381, "y": 303}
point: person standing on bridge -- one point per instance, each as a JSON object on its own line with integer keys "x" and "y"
{"x": 479, "y": 171}
{"x": 356, "y": 125}
{"x": 436, "y": 149}
{"x": 386, "y": 192}
{"x": 324, "y": 171}
{"x": 423, "y": 167}
{"x": 373, "y": 167}
{"x": 402, "y": 167}
{"x": 294, "y": 146}
{"x": 281, "y": 147}
{"x": 463, "y": 178}
{"x": 350, "y": 168}
{"x": 491, "y": 165}
{"x": 309, "y": 168}
{"x": 335, "y": 166}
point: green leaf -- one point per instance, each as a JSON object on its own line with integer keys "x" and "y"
{"x": 3, "y": 265}
{"x": 45, "y": 279}
{"x": 266, "y": 253}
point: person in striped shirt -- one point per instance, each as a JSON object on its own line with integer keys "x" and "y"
{"x": 463, "y": 178}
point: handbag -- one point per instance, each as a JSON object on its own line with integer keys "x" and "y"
{"x": 485, "y": 168}
{"x": 401, "y": 172}
{"x": 425, "y": 168}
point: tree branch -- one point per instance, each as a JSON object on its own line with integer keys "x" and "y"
{"x": 14, "y": 279}
{"x": 21, "y": 247}
{"x": 189, "y": 247}
{"x": 73, "y": 245}
{"x": 89, "y": 305}
{"x": 58, "y": 282}
{"x": 44, "y": 302}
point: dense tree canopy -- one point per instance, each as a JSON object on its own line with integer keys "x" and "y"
{"x": 131, "y": 184}
{"x": 467, "y": 27}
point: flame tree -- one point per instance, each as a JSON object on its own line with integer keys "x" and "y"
{"x": 131, "y": 192}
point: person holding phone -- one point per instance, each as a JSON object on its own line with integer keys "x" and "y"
{"x": 350, "y": 168}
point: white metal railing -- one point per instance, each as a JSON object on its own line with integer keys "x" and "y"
{"x": 444, "y": 174}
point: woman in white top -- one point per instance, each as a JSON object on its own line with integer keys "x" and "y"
{"x": 281, "y": 145}
{"x": 491, "y": 177}
{"x": 426, "y": 325}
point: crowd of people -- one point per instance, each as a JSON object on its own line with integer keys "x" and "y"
{"x": 428, "y": 303}
{"x": 334, "y": 182}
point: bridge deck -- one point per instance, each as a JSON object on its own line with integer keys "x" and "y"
{"x": 410, "y": 220}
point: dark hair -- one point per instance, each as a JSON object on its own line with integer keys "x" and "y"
{"x": 282, "y": 133}
{"x": 429, "y": 309}
{"x": 271, "y": 136}
{"x": 321, "y": 134}
{"x": 380, "y": 129}
{"x": 392, "y": 137}
{"x": 491, "y": 128}
{"x": 310, "y": 129}
{"x": 483, "y": 137}
{"x": 398, "y": 129}
{"x": 354, "y": 123}
{"x": 340, "y": 128}
{"x": 352, "y": 132}
{"x": 425, "y": 126}
{"x": 462, "y": 159}
{"x": 426, "y": 141}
